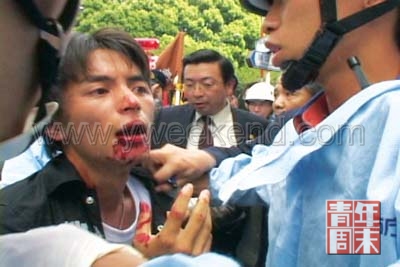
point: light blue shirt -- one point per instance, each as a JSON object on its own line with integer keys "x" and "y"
{"x": 30, "y": 161}
{"x": 352, "y": 154}
{"x": 182, "y": 260}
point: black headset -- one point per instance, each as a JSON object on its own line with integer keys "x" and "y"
{"x": 297, "y": 73}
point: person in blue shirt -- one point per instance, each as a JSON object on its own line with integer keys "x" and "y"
{"x": 33, "y": 33}
{"x": 343, "y": 145}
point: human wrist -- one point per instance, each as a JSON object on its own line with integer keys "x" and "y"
{"x": 208, "y": 160}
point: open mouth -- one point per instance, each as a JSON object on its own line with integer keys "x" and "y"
{"x": 132, "y": 129}
{"x": 272, "y": 47}
{"x": 131, "y": 141}
{"x": 132, "y": 134}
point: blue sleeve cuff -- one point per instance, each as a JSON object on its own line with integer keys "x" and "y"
{"x": 182, "y": 260}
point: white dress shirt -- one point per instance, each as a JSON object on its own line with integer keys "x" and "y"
{"x": 221, "y": 128}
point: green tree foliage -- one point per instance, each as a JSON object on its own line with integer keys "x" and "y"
{"x": 222, "y": 25}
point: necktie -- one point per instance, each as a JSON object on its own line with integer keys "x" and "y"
{"x": 206, "y": 138}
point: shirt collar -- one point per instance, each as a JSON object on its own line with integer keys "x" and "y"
{"x": 219, "y": 118}
{"x": 315, "y": 111}
{"x": 58, "y": 173}
{"x": 65, "y": 173}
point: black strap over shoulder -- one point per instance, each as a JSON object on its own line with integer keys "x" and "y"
{"x": 328, "y": 11}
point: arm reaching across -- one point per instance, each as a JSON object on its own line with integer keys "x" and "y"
{"x": 64, "y": 246}
{"x": 185, "y": 165}
{"x": 68, "y": 246}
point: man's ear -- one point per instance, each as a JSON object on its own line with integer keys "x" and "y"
{"x": 230, "y": 87}
{"x": 55, "y": 131}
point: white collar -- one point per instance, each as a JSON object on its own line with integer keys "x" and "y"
{"x": 219, "y": 118}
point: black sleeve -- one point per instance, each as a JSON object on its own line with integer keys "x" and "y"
{"x": 15, "y": 217}
{"x": 221, "y": 153}
{"x": 274, "y": 126}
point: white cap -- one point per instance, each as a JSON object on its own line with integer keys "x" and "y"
{"x": 260, "y": 91}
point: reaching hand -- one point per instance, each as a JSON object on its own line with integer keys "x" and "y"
{"x": 194, "y": 238}
{"x": 185, "y": 165}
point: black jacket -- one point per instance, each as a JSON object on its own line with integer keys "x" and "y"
{"x": 172, "y": 125}
{"x": 57, "y": 194}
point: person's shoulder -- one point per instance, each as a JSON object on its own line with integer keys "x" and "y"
{"x": 384, "y": 96}
{"x": 25, "y": 186}
{"x": 389, "y": 88}
{"x": 19, "y": 203}
{"x": 173, "y": 114}
{"x": 176, "y": 109}
{"x": 40, "y": 183}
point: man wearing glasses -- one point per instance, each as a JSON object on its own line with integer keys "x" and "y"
{"x": 209, "y": 120}
{"x": 209, "y": 79}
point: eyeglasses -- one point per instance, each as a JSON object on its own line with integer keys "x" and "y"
{"x": 205, "y": 84}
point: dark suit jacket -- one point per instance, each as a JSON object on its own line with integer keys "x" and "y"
{"x": 172, "y": 125}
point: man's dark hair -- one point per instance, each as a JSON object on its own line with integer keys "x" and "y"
{"x": 211, "y": 56}
{"x": 159, "y": 77}
{"x": 73, "y": 65}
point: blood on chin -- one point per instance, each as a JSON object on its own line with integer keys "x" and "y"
{"x": 131, "y": 152}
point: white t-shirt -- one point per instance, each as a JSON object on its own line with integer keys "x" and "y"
{"x": 125, "y": 236}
